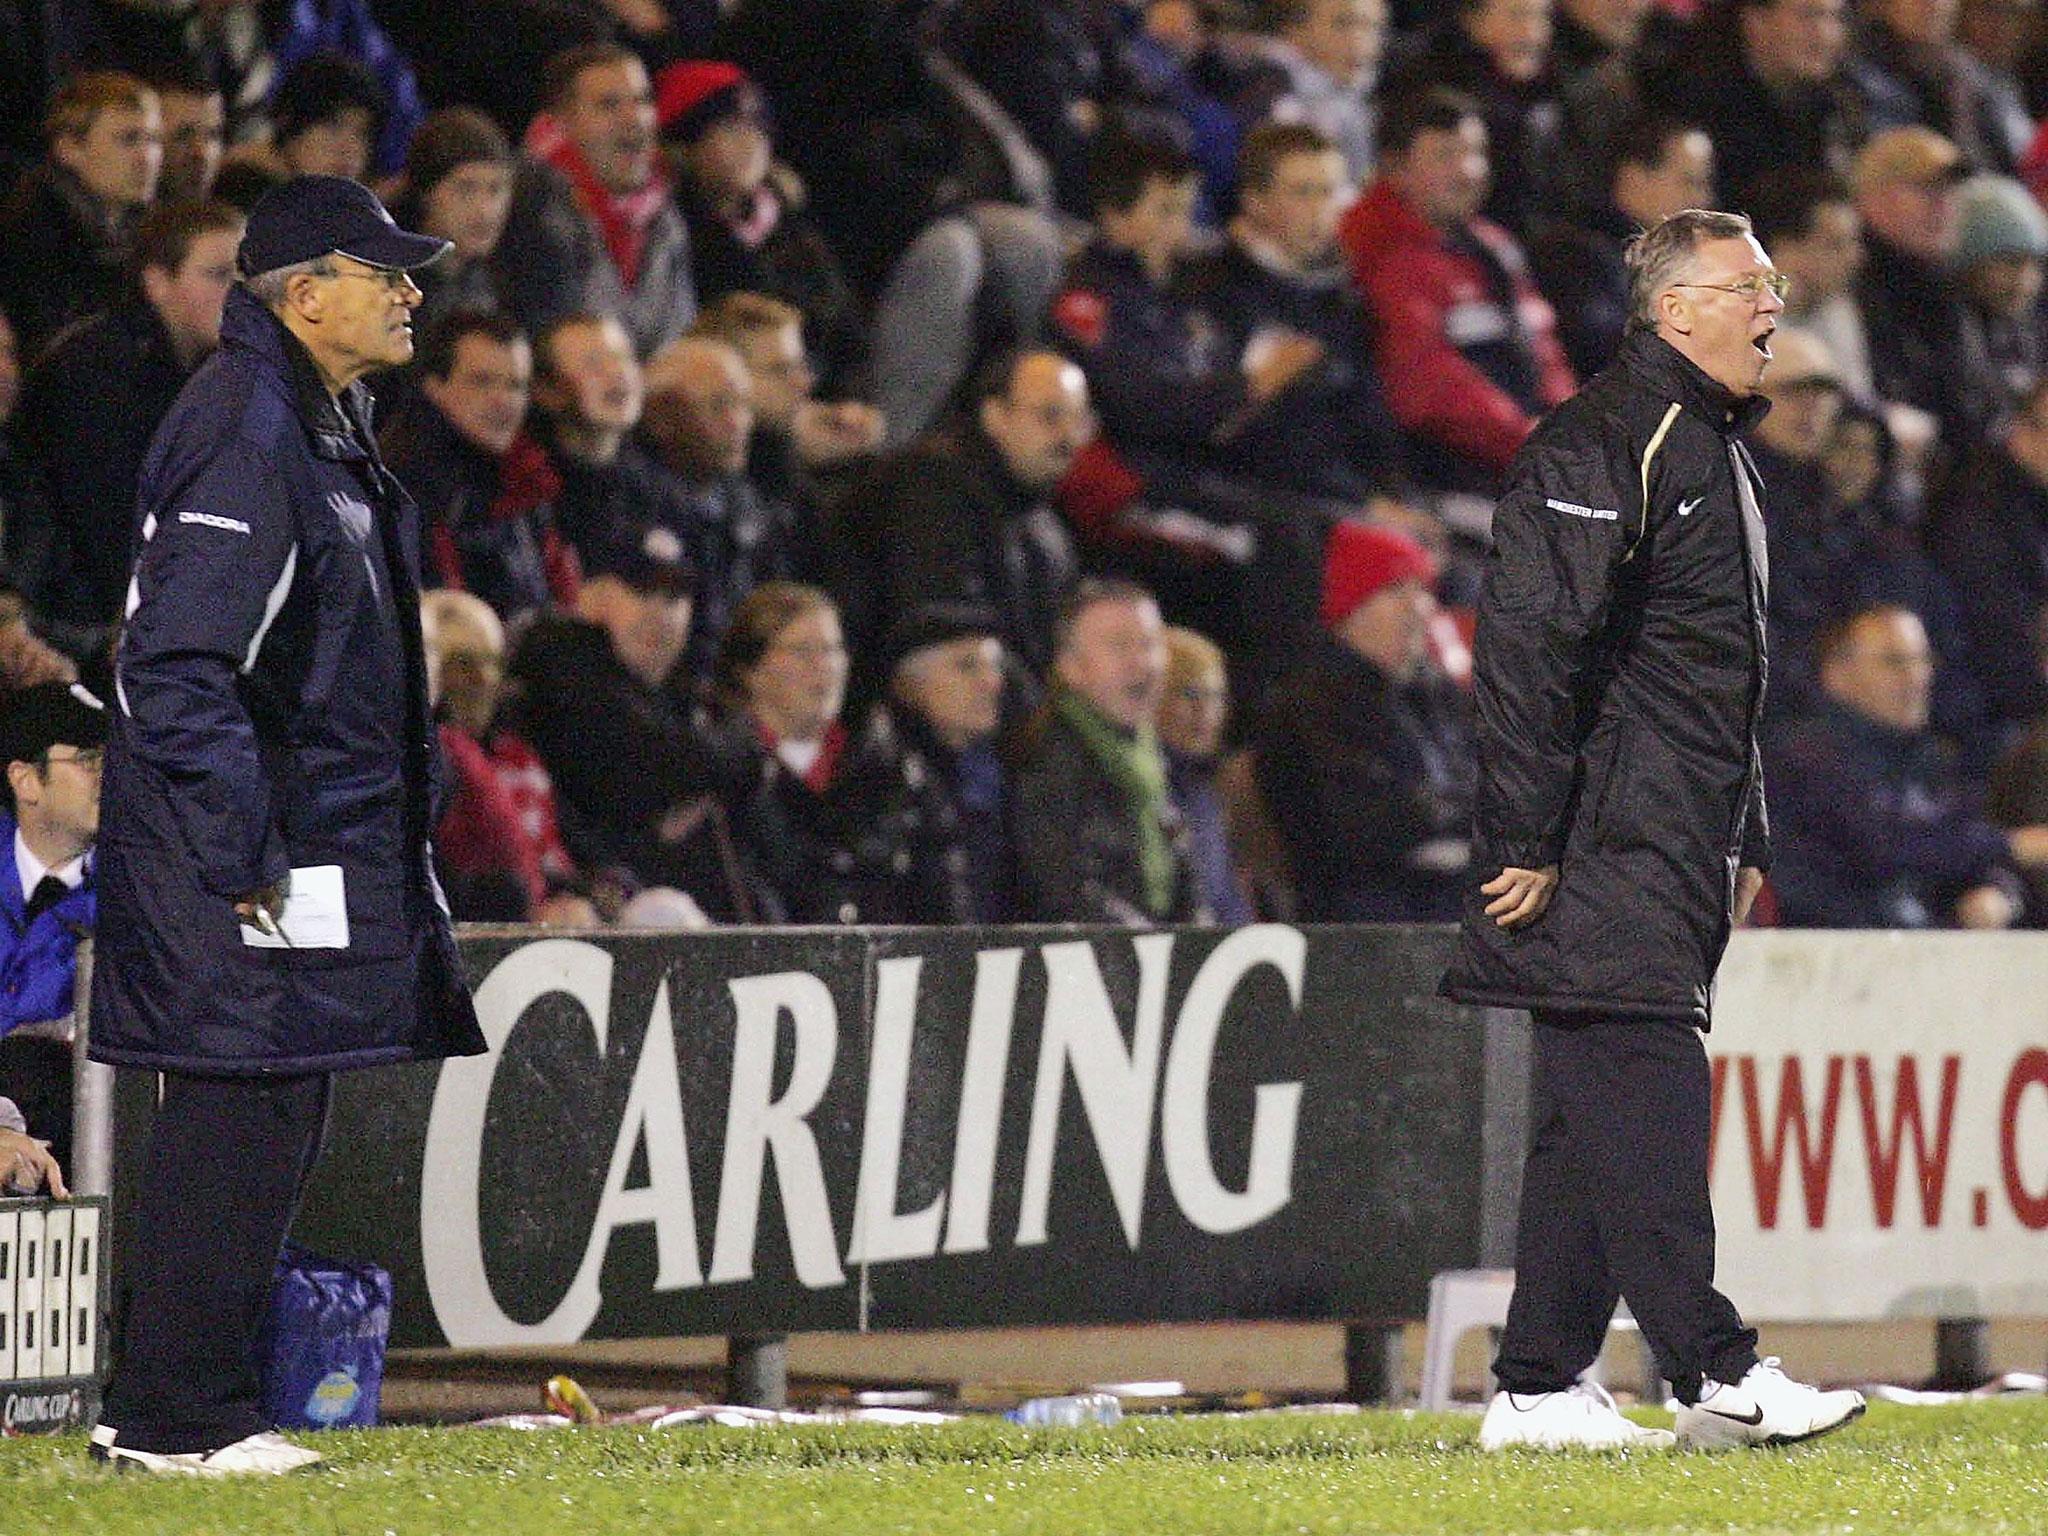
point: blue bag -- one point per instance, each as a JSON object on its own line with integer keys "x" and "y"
{"x": 323, "y": 1365}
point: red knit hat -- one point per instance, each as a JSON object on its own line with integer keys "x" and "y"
{"x": 1360, "y": 559}
{"x": 693, "y": 96}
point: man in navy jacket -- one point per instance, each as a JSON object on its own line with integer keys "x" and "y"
{"x": 271, "y": 914}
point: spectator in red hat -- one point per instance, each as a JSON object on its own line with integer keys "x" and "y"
{"x": 1364, "y": 754}
{"x": 749, "y": 232}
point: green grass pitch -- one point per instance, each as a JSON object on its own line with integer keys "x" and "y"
{"x": 1978, "y": 1468}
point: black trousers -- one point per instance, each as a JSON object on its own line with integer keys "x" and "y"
{"x": 1615, "y": 1204}
{"x": 228, "y": 1159}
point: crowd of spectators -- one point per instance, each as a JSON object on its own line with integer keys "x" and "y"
{"x": 936, "y": 461}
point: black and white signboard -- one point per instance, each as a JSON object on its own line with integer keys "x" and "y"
{"x": 735, "y": 1132}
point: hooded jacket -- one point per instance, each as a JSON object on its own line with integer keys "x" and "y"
{"x": 271, "y": 719}
{"x": 1619, "y": 669}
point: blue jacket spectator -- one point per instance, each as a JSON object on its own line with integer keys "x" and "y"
{"x": 1280, "y": 273}
{"x": 52, "y": 736}
{"x": 1869, "y": 828}
{"x": 1173, "y": 388}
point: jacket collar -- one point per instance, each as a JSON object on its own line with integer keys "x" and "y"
{"x": 339, "y": 429}
{"x": 1656, "y": 360}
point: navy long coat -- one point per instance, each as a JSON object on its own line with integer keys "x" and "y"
{"x": 270, "y": 716}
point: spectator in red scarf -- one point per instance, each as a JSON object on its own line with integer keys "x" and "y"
{"x": 499, "y": 842}
{"x": 485, "y": 486}
{"x": 593, "y": 225}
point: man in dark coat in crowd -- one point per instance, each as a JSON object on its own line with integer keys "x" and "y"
{"x": 1365, "y": 755}
{"x": 1621, "y": 834}
{"x": 93, "y": 402}
{"x": 1870, "y": 827}
{"x": 963, "y": 515}
{"x": 484, "y": 485}
{"x": 944, "y": 663}
{"x": 1099, "y": 839}
{"x": 270, "y": 914}
{"x": 65, "y": 226}
{"x": 1990, "y": 538}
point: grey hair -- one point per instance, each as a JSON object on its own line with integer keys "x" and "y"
{"x": 1657, "y": 255}
{"x": 268, "y": 288}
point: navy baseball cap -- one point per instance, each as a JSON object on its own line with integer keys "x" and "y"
{"x": 314, "y": 216}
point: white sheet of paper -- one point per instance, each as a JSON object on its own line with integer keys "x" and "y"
{"x": 315, "y": 913}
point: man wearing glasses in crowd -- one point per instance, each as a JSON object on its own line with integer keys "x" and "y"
{"x": 51, "y": 738}
{"x": 271, "y": 912}
{"x": 1621, "y": 834}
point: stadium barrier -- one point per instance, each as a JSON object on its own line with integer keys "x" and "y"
{"x": 753, "y": 1132}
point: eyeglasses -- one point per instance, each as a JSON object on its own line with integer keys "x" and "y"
{"x": 1752, "y": 288}
{"x": 87, "y": 759}
{"x": 394, "y": 279}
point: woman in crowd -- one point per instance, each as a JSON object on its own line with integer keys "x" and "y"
{"x": 837, "y": 829}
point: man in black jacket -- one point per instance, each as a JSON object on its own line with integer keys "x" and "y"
{"x": 963, "y": 515}
{"x": 66, "y": 225}
{"x": 1621, "y": 833}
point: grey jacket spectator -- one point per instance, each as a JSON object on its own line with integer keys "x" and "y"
{"x": 593, "y": 224}
{"x": 1325, "y": 74}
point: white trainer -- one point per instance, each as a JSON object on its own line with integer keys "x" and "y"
{"x": 1581, "y": 1419}
{"x": 263, "y": 1454}
{"x": 1766, "y": 1407}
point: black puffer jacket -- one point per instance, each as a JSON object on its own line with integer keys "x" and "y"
{"x": 1620, "y": 673}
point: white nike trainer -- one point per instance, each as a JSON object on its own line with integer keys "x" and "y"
{"x": 1766, "y": 1407}
{"x": 1581, "y": 1419}
{"x": 262, "y": 1454}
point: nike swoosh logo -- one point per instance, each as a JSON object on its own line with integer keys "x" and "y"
{"x": 1754, "y": 1417}
{"x": 1685, "y": 508}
